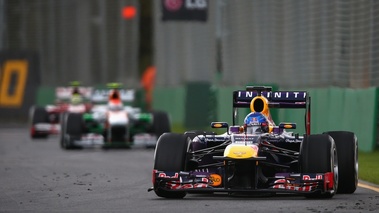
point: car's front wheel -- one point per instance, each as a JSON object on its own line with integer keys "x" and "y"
{"x": 318, "y": 154}
{"x": 170, "y": 155}
{"x": 347, "y": 149}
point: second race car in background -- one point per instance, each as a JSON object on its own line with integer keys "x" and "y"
{"x": 45, "y": 120}
{"x": 113, "y": 122}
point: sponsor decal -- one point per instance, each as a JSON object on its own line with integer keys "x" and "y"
{"x": 214, "y": 138}
{"x": 245, "y": 138}
{"x": 173, "y": 185}
{"x": 13, "y": 80}
{"x": 287, "y": 185}
{"x": 239, "y": 154}
{"x": 215, "y": 179}
{"x": 66, "y": 92}
{"x": 317, "y": 177}
{"x": 184, "y": 10}
{"x": 100, "y": 95}
{"x": 173, "y": 5}
{"x": 164, "y": 175}
{"x": 275, "y": 96}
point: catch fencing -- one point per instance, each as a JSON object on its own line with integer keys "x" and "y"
{"x": 290, "y": 43}
{"x": 84, "y": 40}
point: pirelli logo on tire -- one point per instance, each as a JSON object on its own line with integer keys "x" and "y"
{"x": 19, "y": 82}
{"x": 13, "y": 75}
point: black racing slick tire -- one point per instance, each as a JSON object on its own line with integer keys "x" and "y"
{"x": 170, "y": 155}
{"x": 318, "y": 154}
{"x": 161, "y": 123}
{"x": 347, "y": 149}
{"x": 38, "y": 115}
{"x": 62, "y": 122}
{"x": 73, "y": 129}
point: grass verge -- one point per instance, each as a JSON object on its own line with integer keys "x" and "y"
{"x": 369, "y": 166}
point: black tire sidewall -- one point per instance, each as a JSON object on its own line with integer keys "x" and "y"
{"x": 171, "y": 156}
{"x": 347, "y": 149}
{"x": 317, "y": 156}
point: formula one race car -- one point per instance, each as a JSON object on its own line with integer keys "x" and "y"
{"x": 46, "y": 120}
{"x": 113, "y": 125}
{"x": 258, "y": 156}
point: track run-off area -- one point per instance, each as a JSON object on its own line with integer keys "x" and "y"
{"x": 38, "y": 176}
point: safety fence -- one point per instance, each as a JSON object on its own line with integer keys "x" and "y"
{"x": 293, "y": 44}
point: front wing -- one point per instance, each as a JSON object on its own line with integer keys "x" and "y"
{"x": 208, "y": 182}
{"x": 46, "y": 128}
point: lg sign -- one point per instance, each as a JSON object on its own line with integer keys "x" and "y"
{"x": 184, "y": 10}
{"x": 174, "y": 5}
{"x": 196, "y": 4}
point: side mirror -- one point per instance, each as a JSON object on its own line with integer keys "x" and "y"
{"x": 218, "y": 125}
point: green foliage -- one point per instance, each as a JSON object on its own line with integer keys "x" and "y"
{"x": 368, "y": 166}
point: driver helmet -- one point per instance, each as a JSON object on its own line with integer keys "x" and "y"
{"x": 76, "y": 99}
{"x": 253, "y": 122}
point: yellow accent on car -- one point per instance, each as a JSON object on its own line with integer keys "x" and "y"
{"x": 239, "y": 151}
{"x": 288, "y": 126}
{"x": 217, "y": 125}
{"x": 265, "y": 111}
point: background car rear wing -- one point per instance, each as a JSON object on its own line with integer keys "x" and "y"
{"x": 65, "y": 93}
{"x": 102, "y": 95}
{"x": 277, "y": 99}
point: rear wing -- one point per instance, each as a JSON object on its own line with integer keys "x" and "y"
{"x": 277, "y": 99}
{"x": 65, "y": 93}
{"x": 102, "y": 95}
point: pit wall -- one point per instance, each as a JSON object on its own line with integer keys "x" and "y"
{"x": 331, "y": 109}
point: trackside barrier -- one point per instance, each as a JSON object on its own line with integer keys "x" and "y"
{"x": 353, "y": 110}
{"x": 200, "y": 105}
{"x": 172, "y": 100}
{"x": 45, "y": 96}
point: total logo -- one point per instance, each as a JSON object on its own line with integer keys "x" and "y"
{"x": 216, "y": 179}
{"x": 174, "y": 5}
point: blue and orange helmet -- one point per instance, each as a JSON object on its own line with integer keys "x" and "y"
{"x": 253, "y": 122}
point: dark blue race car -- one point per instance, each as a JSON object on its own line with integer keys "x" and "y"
{"x": 258, "y": 156}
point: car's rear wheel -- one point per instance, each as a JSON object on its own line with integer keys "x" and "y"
{"x": 73, "y": 129}
{"x": 318, "y": 154}
{"x": 38, "y": 115}
{"x": 347, "y": 149}
{"x": 170, "y": 155}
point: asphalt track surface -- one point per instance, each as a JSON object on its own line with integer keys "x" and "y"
{"x": 38, "y": 176}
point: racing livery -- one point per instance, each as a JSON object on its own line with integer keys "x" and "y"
{"x": 46, "y": 120}
{"x": 115, "y": 124}
{"x": 258, "y": 156}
